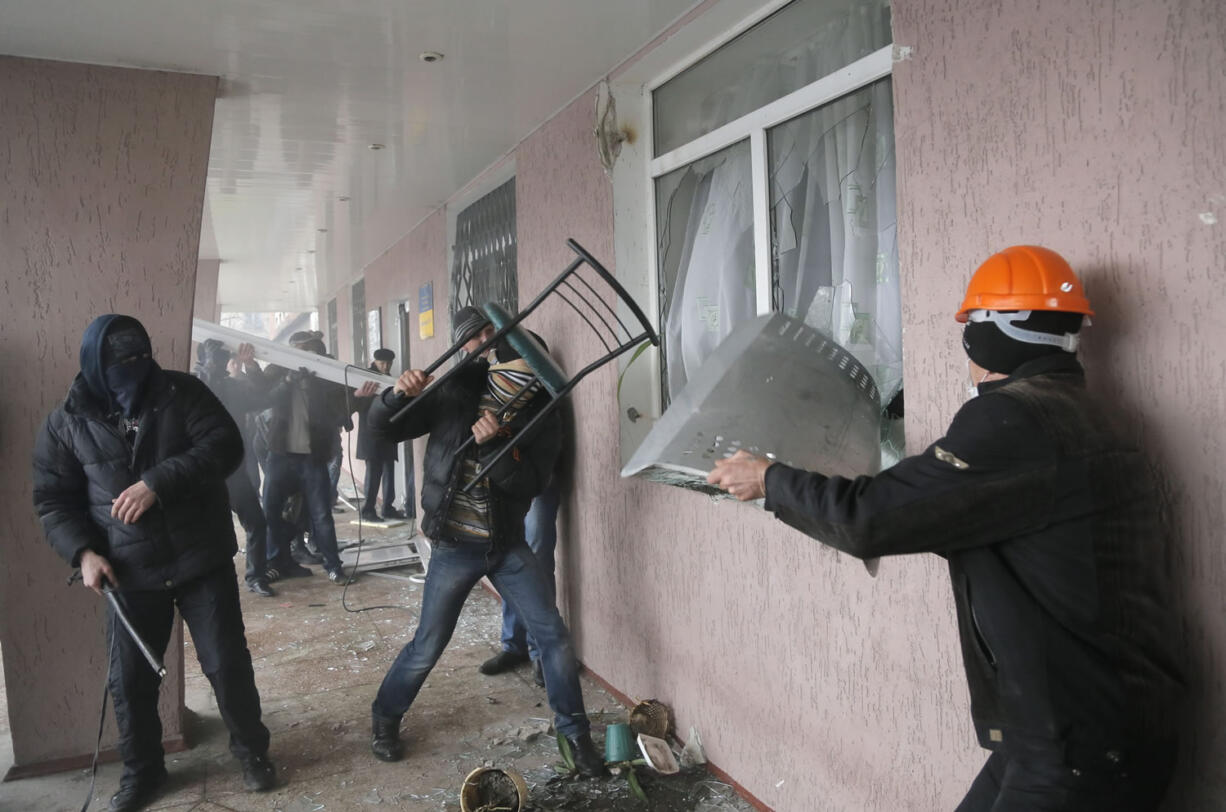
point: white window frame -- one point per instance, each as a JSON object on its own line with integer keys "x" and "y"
{"x": 645, "y": 389}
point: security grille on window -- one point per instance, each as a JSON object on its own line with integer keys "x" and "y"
{"x": 774, "y": 188}
{"x": 358, "y": 296}
{"x": 484, "y": 265}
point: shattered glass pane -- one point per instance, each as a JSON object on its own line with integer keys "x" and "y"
{"x": 834, "y": 246}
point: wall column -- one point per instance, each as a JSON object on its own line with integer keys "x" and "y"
{"x": 104, "y": 172}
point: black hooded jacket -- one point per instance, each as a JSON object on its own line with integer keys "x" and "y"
{"x": 447, "y": 413}
{"x": 1049, "y": 524}
{"x": 185, "y": 446}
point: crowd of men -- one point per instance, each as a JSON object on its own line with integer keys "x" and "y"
{"x": 1043, "y": 509}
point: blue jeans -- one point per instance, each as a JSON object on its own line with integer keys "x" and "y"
{"x": 455, "y": 568}
{"x": 285, "y": 475}
{"x": 541, "y": 532}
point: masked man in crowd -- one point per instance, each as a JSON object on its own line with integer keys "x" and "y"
{"x": 130, "y": 485}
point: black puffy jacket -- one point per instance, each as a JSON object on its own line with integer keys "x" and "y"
{"x": 447, "y": 413}
{"x": 186, "y": 446}
{"x": 1048, "y": 521}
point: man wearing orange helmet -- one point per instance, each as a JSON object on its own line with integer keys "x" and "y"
{"x": 1047, "y": 518}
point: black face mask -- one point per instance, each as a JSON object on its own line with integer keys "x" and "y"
{"x": 126, "y": 382}
{"x": 128, "y": 359}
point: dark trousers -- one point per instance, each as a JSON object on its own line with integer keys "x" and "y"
{"x": 455, "y": 568}
{"x": 1048, "y": 784}
{"x": 285, "y": 475}
{"x": 209, "y": 605}
{"x": 380, "y": 471}
{"x": 245, "y": 503}
{"x": 541, "y": 533}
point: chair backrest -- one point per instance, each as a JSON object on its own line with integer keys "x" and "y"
{"x": 594, "y": 294}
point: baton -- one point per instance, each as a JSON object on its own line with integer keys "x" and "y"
{"x": 112, "y": 596}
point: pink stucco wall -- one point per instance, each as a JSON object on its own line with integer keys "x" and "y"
{"x": 815, "y": 686}
{"x": 103, "y": 174}
{"x": 1099, "y": 130}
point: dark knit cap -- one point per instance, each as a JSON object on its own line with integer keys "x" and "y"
{"x": 991, "y": 349}
{"x": 384, "y": 354}
{"x": 467, "y": 322}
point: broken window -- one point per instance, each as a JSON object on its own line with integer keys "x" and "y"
{"x": 774, "y": 190}
{"x": 834, "y": 251}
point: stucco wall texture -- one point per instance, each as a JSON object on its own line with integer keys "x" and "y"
{"x": 1094, "y": 130}
{"x": 103, "y": 175}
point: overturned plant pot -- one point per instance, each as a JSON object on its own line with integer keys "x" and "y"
{"x": 491, "y": 789}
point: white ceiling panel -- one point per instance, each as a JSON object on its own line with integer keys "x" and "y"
{"x": 308, "y": 85}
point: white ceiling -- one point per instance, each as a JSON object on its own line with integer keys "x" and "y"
{"x": 308, "y": 85}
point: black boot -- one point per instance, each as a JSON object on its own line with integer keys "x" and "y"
{"x": 385, "y": 738}
{"x": 587, "y": 758}
{"x": 259, "y": 774}
{"x": 136, "y": 792}
{"x": 502, "y": 661}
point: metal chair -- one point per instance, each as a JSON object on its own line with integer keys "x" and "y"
{"x": 593, "y": 293}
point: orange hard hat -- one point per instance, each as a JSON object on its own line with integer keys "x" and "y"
{"x": 1025, "y": 277}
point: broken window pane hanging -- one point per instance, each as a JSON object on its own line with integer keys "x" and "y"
{"x": 833, "y": 228}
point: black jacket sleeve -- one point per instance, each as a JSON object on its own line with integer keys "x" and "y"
{"x": 416, "y": 423}
{"x": 61, "y": 496}
{"x": 215, "y": 449}
{"x": 990, "y": 478}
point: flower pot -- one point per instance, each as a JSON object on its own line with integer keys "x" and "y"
{"x": 489, "y": 788}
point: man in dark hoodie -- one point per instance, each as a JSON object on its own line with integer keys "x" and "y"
{"x": 1046, "y": 516}
{"x": 242, "y": 396}
{"x": 479, "y": 533}
{"x": 129, "y": 482}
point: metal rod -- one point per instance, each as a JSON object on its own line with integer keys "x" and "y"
{"x": 154, "y": 662}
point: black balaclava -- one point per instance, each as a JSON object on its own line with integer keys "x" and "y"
{"x": 991, "y": 349}
{"x": 116, "y": 361}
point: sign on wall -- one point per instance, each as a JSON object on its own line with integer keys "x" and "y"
{"x": 425, "y": 311}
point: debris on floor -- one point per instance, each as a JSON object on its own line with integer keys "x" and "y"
{"x": 318, "y": 667}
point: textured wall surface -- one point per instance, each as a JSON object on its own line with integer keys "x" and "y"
{"x": 103, "y": 175}
{"x": 1100, "y": 131}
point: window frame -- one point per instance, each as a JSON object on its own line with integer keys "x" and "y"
{"x": 752, "y": 126}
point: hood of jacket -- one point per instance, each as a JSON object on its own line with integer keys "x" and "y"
{"x": 93, "y": 356}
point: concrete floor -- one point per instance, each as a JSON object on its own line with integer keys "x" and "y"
{"x": 318, "y": 667}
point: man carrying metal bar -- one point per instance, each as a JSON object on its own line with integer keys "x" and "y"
{"x": 130, "y": 484}
{"x": 479, "y": 531}
{"x": 1047, "y": 518}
